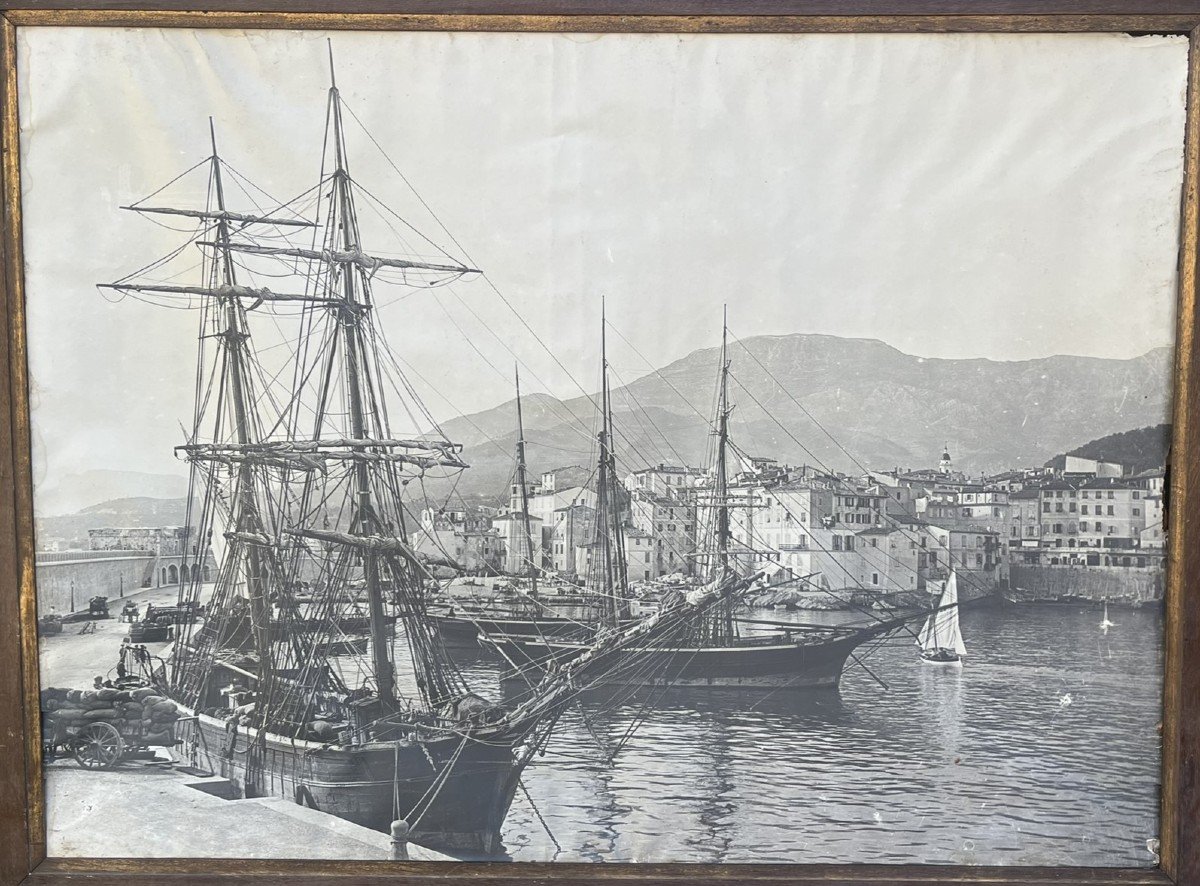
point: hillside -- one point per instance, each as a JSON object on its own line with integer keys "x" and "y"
{"x": 72, "y": 493}
{"x": 1139, "y": 449}
{"x": 867, "y": 405}
{"x": 847, "y": 404}
{"x": 70, "y": 530}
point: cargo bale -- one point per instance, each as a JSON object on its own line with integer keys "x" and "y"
{"x": 100, "y": 714}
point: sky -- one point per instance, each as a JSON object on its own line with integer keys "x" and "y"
{"x": 1000, "y": 196}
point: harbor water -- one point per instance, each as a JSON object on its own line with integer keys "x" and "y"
{"x": 1043, "y": 749}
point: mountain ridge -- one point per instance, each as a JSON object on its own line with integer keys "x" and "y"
{"x": 862, "y": 403}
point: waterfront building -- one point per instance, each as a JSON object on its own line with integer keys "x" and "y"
{"x": 1075, "y": 466}
{"x": 1151, "y": 480}
{"x": 573, "y": 525}
{"x": 517, "y": 558}
{"x": 1112, "y": 514}
{"x": 663, "y": 481}
{"x": 670, "y": 521}
{"x": 1024, "y": 523}
{"x": 826, "y": 531}
{"x": 1153, "y": 536}
{"x": 468, "y": 538}
{"x": 976, "y": 552}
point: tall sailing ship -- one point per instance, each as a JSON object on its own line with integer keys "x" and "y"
{"x": 298, "y": 483}
{"x": 717, "y": 651}
{"x": 528, "y": 612}
{"x": 603, "y": 597}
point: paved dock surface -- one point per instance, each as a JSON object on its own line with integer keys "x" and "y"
{"x": 152, "y": 811}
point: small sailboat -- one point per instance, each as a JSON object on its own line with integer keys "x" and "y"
{"x": 1106, "y": 624}
{"x": 941, "y": 640}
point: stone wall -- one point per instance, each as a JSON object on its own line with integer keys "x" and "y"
{"x": 90, "y": 575}
{"x": 1126, "y": 584}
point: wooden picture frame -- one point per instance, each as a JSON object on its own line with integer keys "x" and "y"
{"x": 22, "y": 829}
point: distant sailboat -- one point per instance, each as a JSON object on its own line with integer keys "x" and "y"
{"x": 1106, "y": 624}
{"x": 941, "y": 638}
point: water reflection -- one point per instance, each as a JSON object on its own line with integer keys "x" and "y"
{"x": 1041, "y": 749}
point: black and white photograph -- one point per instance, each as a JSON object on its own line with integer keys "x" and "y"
{"x": 563, "y": 447}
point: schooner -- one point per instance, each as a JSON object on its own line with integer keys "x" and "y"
{"x": 716, "y": 651}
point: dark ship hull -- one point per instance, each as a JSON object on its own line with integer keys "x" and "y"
{"x": 460, "y": 629}
{"x": 460, "y": 811}
{"x": 753, "y": 663}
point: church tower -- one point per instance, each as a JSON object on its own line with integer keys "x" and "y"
{"x": 945, "y": 465}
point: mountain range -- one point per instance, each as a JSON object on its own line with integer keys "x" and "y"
{"x": 847, "y": 404}
{"x": 843, "y": 403}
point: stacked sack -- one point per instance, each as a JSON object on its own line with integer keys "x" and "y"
{"x": 141, "y": 715}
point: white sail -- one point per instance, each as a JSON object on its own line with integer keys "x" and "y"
{"x": 941, "y": 630}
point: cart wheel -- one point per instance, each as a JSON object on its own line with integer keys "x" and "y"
{"x": 97, "y": 746}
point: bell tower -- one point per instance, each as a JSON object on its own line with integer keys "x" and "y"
{"x": 945, "y": 465}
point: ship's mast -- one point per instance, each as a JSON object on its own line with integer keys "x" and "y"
{"x": 523, "y": 484}
{"x": 614, "y": 569}
{"x": 247, "y": 521}
{"x": 721, "y": 484}
{"x": 350, "y": 315}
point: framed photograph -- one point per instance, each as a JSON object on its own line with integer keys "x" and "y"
{"x": 560, "y": 443}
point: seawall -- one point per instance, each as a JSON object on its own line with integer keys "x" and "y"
{"x": 1129, "y": 585}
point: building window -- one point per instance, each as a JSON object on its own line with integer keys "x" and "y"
{"x": 1045, "y": 507}
{"x": 874, "y": 578}
{"x": 1137, "y": 512}
{"x": 837, "y": 542}
{"x": 1072, "y": 507}
{"x": 1083, "y": 510}
{"x": 1136, "y": 494}
{"x": 1110, "y": 510}
{"x": 1110, "y": 494}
